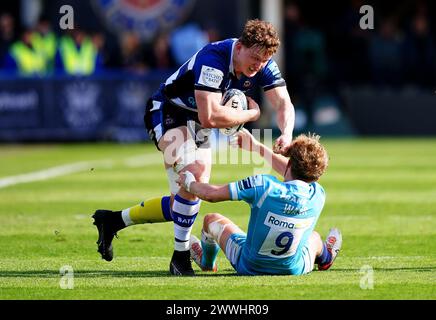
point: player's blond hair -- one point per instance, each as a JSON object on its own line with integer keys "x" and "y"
{"x": 308, "y": 158}
{"x": 262, "y": 34}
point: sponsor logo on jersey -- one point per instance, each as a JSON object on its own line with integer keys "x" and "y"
{"x": 211, "y": 77}
{"x": 274, "y": 220}
{"x": 295, "y": 205}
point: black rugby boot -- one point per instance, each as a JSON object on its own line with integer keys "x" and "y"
{"x": 180, "y": 264}
{"x": 108, "y": 223}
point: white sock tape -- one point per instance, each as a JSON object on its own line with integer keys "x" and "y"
{"x": 216, "y": 229}
{"x": 172, "y": 177}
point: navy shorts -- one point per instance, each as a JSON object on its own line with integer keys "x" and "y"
{"x": 161, "y": 116}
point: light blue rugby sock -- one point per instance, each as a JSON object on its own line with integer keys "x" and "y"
{"x": 210, "y": 251}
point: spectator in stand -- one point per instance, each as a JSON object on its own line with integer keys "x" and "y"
{"x": 99, "y": 41}
{"x": 420, "y": 52}
{"x": 213, "y": 33}
{"x": 352, "y": 68}
{"x": 24, "y": 58}
{"x": 45, "y": 42}
{"x": 132, "y": 54}
{"x": 306, "y": 62}
{"x": 159, "y": 53}
{"x": 186, "y": 40}
{"x": 78, "y": 55}
{"x": 386, "y": 52}
{"x": 7, "y": 35}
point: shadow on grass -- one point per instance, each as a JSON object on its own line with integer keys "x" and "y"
{"x": 416, "y": 269}
{"x": 164, "y": 273}
{"x": 101, "y": 274}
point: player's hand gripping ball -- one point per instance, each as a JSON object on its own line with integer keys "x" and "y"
{"x": 236, "y": 99}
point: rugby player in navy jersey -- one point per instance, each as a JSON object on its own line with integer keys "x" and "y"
{"x": 179, "y": 117}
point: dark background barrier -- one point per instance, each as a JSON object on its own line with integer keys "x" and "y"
{"x": 406, "y": 112}
{"x": 109, "y": 107}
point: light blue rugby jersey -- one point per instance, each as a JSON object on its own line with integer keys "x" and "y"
{"x": 283, "y": 215}
{"x": 211, "y": 69}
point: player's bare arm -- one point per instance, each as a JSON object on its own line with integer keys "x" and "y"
{"x": 205, "y": 191}
{"x": 247, "y": 142}
{"x": 212, "y": 114}
{"x": 281, "y": 102}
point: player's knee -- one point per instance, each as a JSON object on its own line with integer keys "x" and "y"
{"x": 197, "y": 168}
{"x": 315, "y": 241}
{"x": 210, "y": 218}
{"x": 315, "y": 237}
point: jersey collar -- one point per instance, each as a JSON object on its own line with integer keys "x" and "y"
{"x": 231, "y": 67}
{"x": 299, "y": 183}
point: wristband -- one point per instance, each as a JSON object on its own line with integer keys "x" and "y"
{"x": 189, "y": 178}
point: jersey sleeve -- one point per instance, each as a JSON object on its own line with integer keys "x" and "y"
{"x": 209, "y": 69}
{"x": 247, "y": 189}
{"x": 271, "y": 76}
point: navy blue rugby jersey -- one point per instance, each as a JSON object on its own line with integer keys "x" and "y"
{"x": 211, "y": 69}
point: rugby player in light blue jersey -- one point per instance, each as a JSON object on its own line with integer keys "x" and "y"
{"x": 280, "y": 237}
{"x": 178, "y": 118}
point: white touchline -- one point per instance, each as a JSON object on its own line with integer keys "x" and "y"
{"x": 45, "y": 174}
{"x": 63, "y": 170}
{"x": 69, "y": 169}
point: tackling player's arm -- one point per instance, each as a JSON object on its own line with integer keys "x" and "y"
{"x": 279, "y": 98}
{"x": 247, "y": 142}
{"x": 212, "y": 114}
{"x": 205, "y": 191}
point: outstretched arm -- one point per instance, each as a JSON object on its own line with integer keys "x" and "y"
{"x": 205, "y": 191}
{"x": 247, "y": 142}
{"x": 281, "y": 102}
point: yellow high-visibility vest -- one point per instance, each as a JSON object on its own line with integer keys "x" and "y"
{"x": 28, "y": 61}
{"x": 46, "y": 45}
{"x": 78, "y": 61}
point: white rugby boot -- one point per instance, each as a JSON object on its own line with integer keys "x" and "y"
{"x": 333, "y": 244}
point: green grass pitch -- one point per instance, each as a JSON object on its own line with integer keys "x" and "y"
{"x": 380, "y": 192}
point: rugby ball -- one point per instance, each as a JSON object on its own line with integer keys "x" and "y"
{"x": 234, "y": 98}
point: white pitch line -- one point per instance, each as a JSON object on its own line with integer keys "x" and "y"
{"x": 47, "y": 173}
{"x": 132, "y": 162}
{"x": 69, "y": 169}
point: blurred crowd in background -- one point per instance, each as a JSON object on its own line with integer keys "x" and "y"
{"x": 319, "y": 49}
{"x": 400, "y": 50}
{"x": 41, "y": 50}
{"x": 324, "y": 46}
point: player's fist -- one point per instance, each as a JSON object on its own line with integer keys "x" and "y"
{"x": 253, "y": 107}
{"x": 244, "y": 140}
{"x": 282, "y": 144}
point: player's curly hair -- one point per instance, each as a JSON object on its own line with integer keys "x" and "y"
{"x": 308, "y": 159}
{"x": 260, "y": 33}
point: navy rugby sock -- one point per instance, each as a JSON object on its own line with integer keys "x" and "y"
{"x": 325, "y": 256}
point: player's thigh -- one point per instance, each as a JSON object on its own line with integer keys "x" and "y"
{"x": 232, "y": 243}
{"x": 309, "y": 252}
{"x": 201, "y": 171}
{"x": 200, "y": 167}
{"x": 181, "y": 154}
{"x": 180, "y": 151}
{"x": 171, "y": 145}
